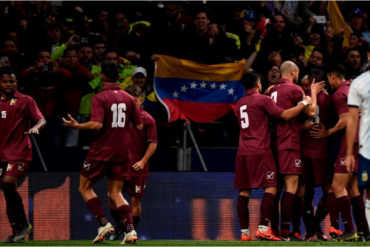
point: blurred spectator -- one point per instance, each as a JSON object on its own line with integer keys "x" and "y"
{"x": 10, "y": 49}
{"x": 99, "y": 49}
{"x": 4, "y": 61}
{"x": 353, "y": 63}
{"x": 85, "y": 55}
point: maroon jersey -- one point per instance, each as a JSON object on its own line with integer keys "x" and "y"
{"x": 318, "y": 148}
{"x": 17, "y": 114}
{"x": 287, "y": 95}
{"x": 141, "y": 141}
{"x": 115, "y": 109}
{"x": 341, "y": 106}
{"x": 253, "y": 111}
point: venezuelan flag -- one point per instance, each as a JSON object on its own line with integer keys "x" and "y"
{"x": 337, "y": 21}
{"x": 200, "y": 92}
{"x": 12, "y": 101}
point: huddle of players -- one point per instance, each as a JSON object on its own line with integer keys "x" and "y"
{"x": 125, "y": 138}
{"x": 300, "y": 148}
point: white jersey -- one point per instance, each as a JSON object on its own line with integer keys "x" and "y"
{"x": 359, "y": 96}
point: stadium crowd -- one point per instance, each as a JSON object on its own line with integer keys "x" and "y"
{"x": 58, "y": 50}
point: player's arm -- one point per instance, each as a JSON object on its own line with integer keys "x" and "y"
{"x": 294, "y": 111}
{"x": 91, "y": 125}
{"x": 138, "y": 166}
{"x": 36, "y": 128}
{"x": 316, "y": 88}
{"x": 321, "y": 132}
{"x": 351, "y": 130}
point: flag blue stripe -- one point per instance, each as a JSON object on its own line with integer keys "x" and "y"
{"x": 199, "y": 91}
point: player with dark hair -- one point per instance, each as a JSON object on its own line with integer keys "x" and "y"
{"x": 17, "y": 112}
{"x": 344, "y": 182}
{"x": 255, "y": 165}
{"x": 112, "y": 110}
{"x": 287, "y": 141}
{"x": 142, "y": 149}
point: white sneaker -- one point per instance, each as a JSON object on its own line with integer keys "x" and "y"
{"x": 130, "y": 237}
{"x": 102, "y": 232}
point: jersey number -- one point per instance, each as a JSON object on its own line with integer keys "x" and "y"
{"x": 119, "y": 115}
{"x": 274, "y": 96}
{"x": 3, "y": 114}
{"x": 244, "y": 117}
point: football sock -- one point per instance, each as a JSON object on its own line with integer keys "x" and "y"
{"x": 136, "y": 221}
{"x": 367, "y": 210}
{"x": 275, "y": 214}
{"x": 321, "y": 211}
{"x": 297, "y": 213}
{"x": 358, "y": 211}
{"x": 344, "y": 207}
{"x": 267, "y": 208}
{"x": 333, "y": 206}
{"x": 94, "y": 205}
{"x": 243, "y": 211}
{"x": 286, "y": 210}
{"x": 15, "y": 209}
{"x": 126, "y": 217}
{"x": 116, "y": 216}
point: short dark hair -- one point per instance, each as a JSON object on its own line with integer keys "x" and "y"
{"x": 317, "y": 74}
{"x": 135, "y": 90}
{"x": 7, "y": 71}
{"x": 249, "y": 80}
{"x": 338, "y": 69}
{"x": 111, "y": 71}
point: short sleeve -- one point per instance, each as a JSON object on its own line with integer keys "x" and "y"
{"x": 340, "y": 102}
{"x": 34, "y": 111}
{"x": 271, "y": 108}
{"x": 97, "y": 110}
{"x": 151, "y": 131}
{"x": 297, "y": 94}
{"x": 354, "y": 96}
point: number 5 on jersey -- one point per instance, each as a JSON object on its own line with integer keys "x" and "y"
{"x": 244, "y": 119}
{"x": 119, "y": 115}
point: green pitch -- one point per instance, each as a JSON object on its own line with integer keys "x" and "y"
{"x": 184, "y": 243}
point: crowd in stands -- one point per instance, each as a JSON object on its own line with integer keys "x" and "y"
{"x": 57, "y": 49}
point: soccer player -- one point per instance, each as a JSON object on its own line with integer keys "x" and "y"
{"x": 316, "y": 169}
{"x": 17, "y": 112}
{"x": 142, "y": 149}
{"x": 343, "y": 181}
{"x": 112, "y": 110}
{"x": 287, "y": 94}
{"x": 359, "y": 102}
{"x": 255, "y": 165}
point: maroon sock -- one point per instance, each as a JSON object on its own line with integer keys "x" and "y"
{"x": 267, "y": 209}
{"x": 321, "y": 211}
{"x": 11, "y": 217}
{"x": 297, "y": 214}
{"x": 243, "y": 211}
{"x": 331, "y": 203}
{"x": 126, "y": 217}
{"x": 286, "y": 210}
{"x": 358, "y": 210}
{"x": 275, "y": 215}
{"x": 94, "y": 205}
{"x": 15, "y": 203}
{"x": 116, "y": 216}
{"x": 344, "y": 207}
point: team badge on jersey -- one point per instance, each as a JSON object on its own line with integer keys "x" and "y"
{"x": 21, "y": 166}
{"x": 364, "y": 176}
{"x": 86, "y": 166}
{"x": 12, "y": 102}
{"x": 342, "y": 161}
{"x": 137, "y": 189}
{"x": 297, "y": 163}
{"x": 270, "y": 175}
{"x": 9, "y": 167}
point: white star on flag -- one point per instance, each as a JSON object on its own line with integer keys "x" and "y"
{"x": 175, "y": 94}
{"x": 193, "y": 84}
{"x": 184, "y": 88}
{"x": 222, "y": 86}
{"x": 203, "y": 85}
{"x": 213, "y": 85}
{"x": 231, "y": 91}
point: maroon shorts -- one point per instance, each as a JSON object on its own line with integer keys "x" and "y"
{"x": 289, "y": 162}
{"x": 95, "y": 170}
{"x": 254, "y": 171}
{"x": 15, "y": 168}
{"x": 339, "y": 166}
{"x": 316, "y": 171}
{"x": 137, "y": 186}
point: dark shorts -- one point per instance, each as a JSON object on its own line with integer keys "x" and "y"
{"x": 363, "y": 172}
{"x": 137, "y": 186}
{"x": 339, "y": 166}
{"x": 254, "y": 171}
{"x": 316, "y": 171}
{"x": 95, "y": 170}
{"x": 15, "y": 168}
{"x": 289, "y": 162}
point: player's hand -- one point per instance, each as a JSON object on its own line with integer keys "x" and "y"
{"x": 318, "y": 131}
{"x": 307, "y": 124}
{"x": 350, "y": 163}
{"x": 32, "y": 131}
{"x": 317, "y": 87}
{"x": 71, "y": 122}
{"x": 139, "y": 166}
{"x": 307, "y": 99}
{"x": 268, "y": 90}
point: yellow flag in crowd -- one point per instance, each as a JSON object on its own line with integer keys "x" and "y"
{"x": 337, "y": 21}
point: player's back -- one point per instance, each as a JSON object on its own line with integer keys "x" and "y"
{"x": 115, "y": 109}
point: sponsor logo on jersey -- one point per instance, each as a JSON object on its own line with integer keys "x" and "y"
{"x": 364, "y": 176}
{"x": 21, "y": 166}
{"x": 270, "y": 175}
{"x": 342, "y": 161}
{"x": 297, "y": 163}
{"x": 137, "y": 189}
{"x": 9, "y": 167}
{"x": 86, "y": 166}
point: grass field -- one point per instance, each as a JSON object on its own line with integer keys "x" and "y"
{"x": 185, "y": 243}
